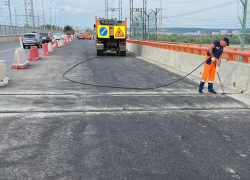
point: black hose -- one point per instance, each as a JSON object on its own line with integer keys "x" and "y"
{"x": 118, "y": 87}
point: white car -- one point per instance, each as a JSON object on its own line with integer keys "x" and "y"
{"x": 57, "y": 36}
{"x": 63, "y": 35}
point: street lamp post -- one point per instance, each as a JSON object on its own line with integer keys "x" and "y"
{"x": 66, "y": 20}
{"x": 61, "y": 22}
{"x": 65, "y": 15}
{"x": 50, "y": 15}
{"x": 59, "y": 18}
{"x": 55, "y": 14}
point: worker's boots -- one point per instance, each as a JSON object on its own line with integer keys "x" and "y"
{"x": 211, "y": 88}
{"x": 201, "y": 86}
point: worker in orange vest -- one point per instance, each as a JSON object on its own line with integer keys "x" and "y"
{"x": 77, "y": 35}
{"x": 214, "y": 54}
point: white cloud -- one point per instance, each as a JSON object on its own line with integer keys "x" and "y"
{"x": 77, "y": 10}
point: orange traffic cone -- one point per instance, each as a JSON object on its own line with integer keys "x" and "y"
{"x": 65, "y": 42}
{"x": 45, "y": 50}
{"x": 34, "y": 54}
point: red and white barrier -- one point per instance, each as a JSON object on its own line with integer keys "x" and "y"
{"x": 45, "y": 50}
{"x": 54, "y": 42}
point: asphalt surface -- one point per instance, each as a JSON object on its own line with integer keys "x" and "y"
{"x": 52, "y": 128}
{"x": 7, "y": 53}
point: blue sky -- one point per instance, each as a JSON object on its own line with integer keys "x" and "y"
{"x": 81, "y": 13}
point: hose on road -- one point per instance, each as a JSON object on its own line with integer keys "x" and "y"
{"x": 120, "y": 87}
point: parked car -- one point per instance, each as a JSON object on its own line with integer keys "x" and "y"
{"x": 38, "y": 34}
{"x": 31, "y": 39}
{"x": 57, "y": 36}
{"x": 81, "y": 36}
{"x": 46, "y": 37}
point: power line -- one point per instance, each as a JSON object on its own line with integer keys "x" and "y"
{"x": 12, "y": 7}
{"x": 204, "y": 10}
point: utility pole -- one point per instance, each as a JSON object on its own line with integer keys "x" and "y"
{"x": 16, "y": 23}
{"x": 43, "y": 17}
{"x": 148, "y": 22}
{"x": 8, "y": 4}
{"x": 50, "y": 15}
{"x": 106, "y": 9}
{"x": 156, "y": 13}
{"x": 38, "y": 21}
{"x": 131, "y": 16}
{"x": 144, "y": 18}
{"x": 160, "y": 18}
{"x": 29, "y": 12}
{"x": 120, "y": 9}
{"x": 243, "y": 24}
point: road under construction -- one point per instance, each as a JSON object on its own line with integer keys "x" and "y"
{"x": 53, "y": 128}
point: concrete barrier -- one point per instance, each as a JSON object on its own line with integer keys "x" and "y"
{"x": 21, "y": 42}
{"x": 3, "y": 80}
{"x": 20, "y": 59}
{"x": 61, "y": 42}
{"x": 58, "y": 43}
{"x": 50, "y": 47}
{"x": 7, "y": 40}
{"x": 235, "y": 75}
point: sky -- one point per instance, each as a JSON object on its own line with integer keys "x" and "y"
{"x": 176, "y": 13}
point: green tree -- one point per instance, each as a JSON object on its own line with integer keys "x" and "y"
{"x": 67, "y": 28}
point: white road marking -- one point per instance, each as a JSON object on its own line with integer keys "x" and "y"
{"x": 7, "y": 50}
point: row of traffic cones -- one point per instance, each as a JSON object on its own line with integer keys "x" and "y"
{"x": 34, "y": 53}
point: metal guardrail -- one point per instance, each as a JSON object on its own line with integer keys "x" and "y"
{"x": 6, "y": 30}
{"x": 231, "y": 55}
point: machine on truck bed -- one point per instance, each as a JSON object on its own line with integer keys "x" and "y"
{"x": 88, "y": 36}
{"x": 111, "y": 35}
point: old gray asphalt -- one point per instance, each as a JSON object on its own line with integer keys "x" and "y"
{"x": 51, "y": 128}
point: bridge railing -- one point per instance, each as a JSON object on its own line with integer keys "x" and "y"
{"x": 6, "y": 30}
{"x": 231, "y": 55}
